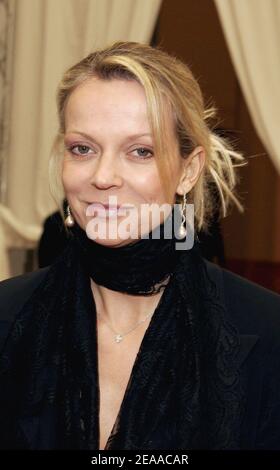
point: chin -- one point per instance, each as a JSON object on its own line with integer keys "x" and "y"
{"x": 110, "y": 236}
{"x": 111, "y": 243}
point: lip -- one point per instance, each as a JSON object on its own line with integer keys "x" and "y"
{"x": 105, "y": 210}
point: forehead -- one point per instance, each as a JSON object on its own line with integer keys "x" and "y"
{"x": 107, "y": 100}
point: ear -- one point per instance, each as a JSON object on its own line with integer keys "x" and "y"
{"x": 191, "y": 171}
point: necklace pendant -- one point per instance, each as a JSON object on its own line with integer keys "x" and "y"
{"x": 118, "y": 338}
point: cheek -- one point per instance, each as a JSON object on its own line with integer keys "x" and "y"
{"x": 72, "y": 177}
{"x": 150, "y": 186}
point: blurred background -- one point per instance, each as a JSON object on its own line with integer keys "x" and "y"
{"x": 231, "y": 46}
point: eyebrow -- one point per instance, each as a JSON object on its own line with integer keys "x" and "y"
{"x": 130, "y": 137}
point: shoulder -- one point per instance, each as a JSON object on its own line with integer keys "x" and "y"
{"x": 16, "y": 290}
{"x": 254, "y": 309}
{"x": 237, "y": 288}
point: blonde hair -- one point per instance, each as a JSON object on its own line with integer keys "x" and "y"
{"x": 169, "y": 86}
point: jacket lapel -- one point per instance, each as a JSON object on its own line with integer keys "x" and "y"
{"x": 247, "y": 342}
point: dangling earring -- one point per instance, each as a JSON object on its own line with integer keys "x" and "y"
{"x": 182, "y": 232}
{"x": 69, "y": 220}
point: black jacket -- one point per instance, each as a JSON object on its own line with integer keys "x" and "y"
{"x": 254, "y": 310}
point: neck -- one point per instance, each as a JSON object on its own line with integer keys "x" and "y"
{"x": 128, "y": 282}
{"x": 122, "y": 311}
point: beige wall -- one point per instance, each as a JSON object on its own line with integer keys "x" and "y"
{"x": 191, "y": 30}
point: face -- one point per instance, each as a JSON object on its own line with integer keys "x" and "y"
{"x": 109, "y": 158}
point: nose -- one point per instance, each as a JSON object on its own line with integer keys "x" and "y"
{"x": 105, "y": 173}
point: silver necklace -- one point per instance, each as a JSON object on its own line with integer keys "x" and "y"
{"x": 118, "y": 337}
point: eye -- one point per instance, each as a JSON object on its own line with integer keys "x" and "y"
{"x": 143, "y": 153}
{"x": 79, "y": 149}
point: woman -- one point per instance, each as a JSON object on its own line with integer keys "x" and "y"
{"x": 127, "y": 341}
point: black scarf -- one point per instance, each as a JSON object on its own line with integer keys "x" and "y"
{"x": 184, "y": 391}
